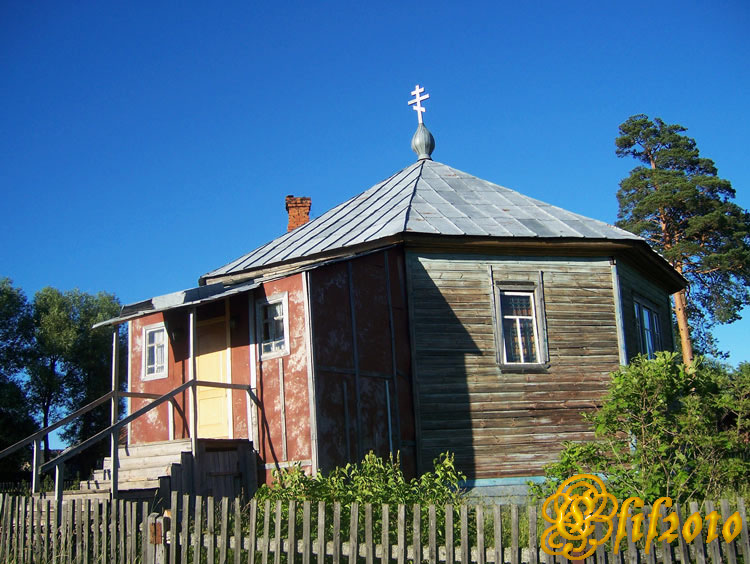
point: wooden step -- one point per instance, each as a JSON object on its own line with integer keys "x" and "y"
{"x": 156, "y": 461}
{"x": 147, "y": 472}
{"x": 102, "y": 493}
{"x": 106, "y": 485}
{"x": 155, "y": 449}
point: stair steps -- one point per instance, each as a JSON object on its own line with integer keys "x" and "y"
{"x": 141, "y": 467}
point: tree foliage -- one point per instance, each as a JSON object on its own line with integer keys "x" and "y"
{"x": 52, "y": 363}
{"x": 667, "y": 430}
{"x": 678, "y": 203}
{"x": 70, "y": 364}
{"x": 16, "y": 327}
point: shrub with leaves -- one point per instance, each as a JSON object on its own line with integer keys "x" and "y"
{"x": 666, "y": 430}
{"x": 376, "y": 481}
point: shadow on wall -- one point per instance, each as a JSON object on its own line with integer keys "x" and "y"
{"x": 362, "y": 360}
{"x": 450, "y": 316}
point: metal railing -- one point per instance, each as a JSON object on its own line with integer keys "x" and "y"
{"x": 58, "y": 463}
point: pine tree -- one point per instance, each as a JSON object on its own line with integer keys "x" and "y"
{"x": 678, "y": 203}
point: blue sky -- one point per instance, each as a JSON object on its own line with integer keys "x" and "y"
{"x": 144, "y": 143}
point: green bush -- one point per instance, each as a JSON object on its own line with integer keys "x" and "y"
{"x": 666, "y": 430}
{"x": 374, "y": 480}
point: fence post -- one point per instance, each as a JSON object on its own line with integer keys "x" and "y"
{"x": 497, "y": 534}
{"x": 700, "y": 554}
{"x": 353, "y": 530}
{"x": 156, "y": 552}
{"x": 714, "y": 547}
{"x": 515, "y": 554}
{"x": 745, "y": 544}
{"x": 385, "y": 553}
{"x": 730, "y": 551}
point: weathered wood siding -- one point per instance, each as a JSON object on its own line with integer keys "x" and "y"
{"x": 360, "y": 335}
{"x": 634, "y": 285}
{"x": 505, "y": 422}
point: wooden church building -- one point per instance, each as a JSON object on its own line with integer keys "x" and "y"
{"x": 433, "y": 312}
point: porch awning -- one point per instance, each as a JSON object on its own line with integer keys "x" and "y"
{"x": 175, "y": 300}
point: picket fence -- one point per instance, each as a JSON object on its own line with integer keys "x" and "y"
{"x": 207, "y": 530}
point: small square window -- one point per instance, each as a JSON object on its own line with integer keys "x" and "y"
{"x": 647, "y": 324}
{"x": 273, "y": 327}
{"x": 154, "y": 352}
{"x": 519, "y": 321}
{"x": 519, "y": 328}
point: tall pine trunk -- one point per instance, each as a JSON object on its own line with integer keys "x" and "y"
{"x": 680, "y": 310}
{"x": 680, "y": 299}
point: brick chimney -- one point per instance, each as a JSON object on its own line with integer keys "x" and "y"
{"x": 299, "y": 211}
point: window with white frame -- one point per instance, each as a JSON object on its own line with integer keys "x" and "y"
{"x": 648, "y": 328}
{"x": 154, "y": 352}
{"x": 273, "y": 326}
{"x": 519, "y": 327}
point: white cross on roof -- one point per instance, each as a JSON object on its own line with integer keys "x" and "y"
{"x": 418, "y": 101}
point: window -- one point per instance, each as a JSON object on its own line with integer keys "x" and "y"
{"x": 519, "y": 321}
{"x": 647, "y": 326}
{"x": 273, "y": 327}
{"x": 519, "y": 328}
{"x": 154, "y": 352}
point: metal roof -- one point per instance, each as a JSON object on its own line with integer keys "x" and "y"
{"x": 183, "y": 298}
{"x": 426, "y": 197}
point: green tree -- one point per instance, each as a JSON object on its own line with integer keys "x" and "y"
{"x": 666, "y": 429}
{"x": 676, "y": 201}
{"x": 16, "y": 329}
{"x": 71, "y": 361}
{"x": 15, "y": 341}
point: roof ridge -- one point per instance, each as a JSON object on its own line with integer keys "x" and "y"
{"x": 413, "y": 193}
{"x": 425, "y": 197}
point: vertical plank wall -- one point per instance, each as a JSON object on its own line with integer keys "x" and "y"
{"x": 362, "y": 359}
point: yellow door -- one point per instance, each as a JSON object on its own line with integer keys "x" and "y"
{"x": 211, "y": 365}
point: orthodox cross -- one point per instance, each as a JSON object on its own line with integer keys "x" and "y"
{"x": 417, "y": 101}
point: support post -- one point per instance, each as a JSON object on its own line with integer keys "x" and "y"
{"x": 37, "y": 461}
{"x": 59, "y": 479}
{"x": 193, "y": 404}
{"x": 115, "y": 413}
{"x": 193, "y": 390}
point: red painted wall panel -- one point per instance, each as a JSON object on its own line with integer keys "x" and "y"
{"x": 154, "y": 425}
{"x": 296, "y": 405}
{"x": 347, "y": 406}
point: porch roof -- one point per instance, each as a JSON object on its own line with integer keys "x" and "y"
{"x": 181, "y": 299}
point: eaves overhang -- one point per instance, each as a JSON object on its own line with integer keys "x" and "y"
{"x": 636, "y": 251}
{"x": 184, "y": 298}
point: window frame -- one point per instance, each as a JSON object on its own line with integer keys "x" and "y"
{"x": 536, "y": 293}
{"x": 147, "y": 329}
{"x": 639, "y": 304}
{"x": 261, "y": 303}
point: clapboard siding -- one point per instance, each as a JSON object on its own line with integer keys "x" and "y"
{"x": 634, "y": 285}
{"x": 500, "y": 422}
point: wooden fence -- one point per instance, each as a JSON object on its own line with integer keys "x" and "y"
{"x": 207, "y": 530}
